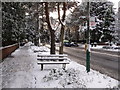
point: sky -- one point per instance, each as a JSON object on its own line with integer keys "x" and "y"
{"x": 115, "y": 3}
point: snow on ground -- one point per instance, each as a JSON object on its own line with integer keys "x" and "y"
{"x": 20, "y": 70}
{"x": 41, "y": 49}
{"x": 103, "y": 47}
{"x": 97, "y": 47}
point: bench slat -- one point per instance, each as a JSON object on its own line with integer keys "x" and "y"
{"x": 51, "y": 58}
{"x": 52, "y": 55}
{"x": 53, "y": 62}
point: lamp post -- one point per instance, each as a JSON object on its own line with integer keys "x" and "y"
{"x": 88, "y": 39}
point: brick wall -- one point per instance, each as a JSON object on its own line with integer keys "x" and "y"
{"x": 5, "y": 51}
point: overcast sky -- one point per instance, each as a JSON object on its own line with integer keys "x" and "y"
{"x": 115, "y": 3}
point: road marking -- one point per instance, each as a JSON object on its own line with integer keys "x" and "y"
{"x": 105, "y": 54}
{"x": 100, "y": 53}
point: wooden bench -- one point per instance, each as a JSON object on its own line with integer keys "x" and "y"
{"x": 53, "y": 59}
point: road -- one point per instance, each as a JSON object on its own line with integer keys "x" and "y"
{"x": 102, "y": 61}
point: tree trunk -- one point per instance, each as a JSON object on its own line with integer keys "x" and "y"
{"x": 77, "y": 34}
{"x": 37, "y": 41}
{"x": 52, "y": 49}
{"x": 62, "y": 27}
{"x": 61, "y": 40}
{"x": 52, "y": 32}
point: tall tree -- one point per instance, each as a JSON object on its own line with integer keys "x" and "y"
{"x": 62, "y": 26}
{"x": 105, "y": 17}
{"x": 52, "y": 32}
{"x": 104, "y": 14}
{"x": 66, "y": 6}
{"x": 77, "y": 19}
{"x": 12, "y": 22}
{"x": 34, "y": 21}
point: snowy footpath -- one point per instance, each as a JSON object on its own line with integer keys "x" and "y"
{"x": 20, "y": 70}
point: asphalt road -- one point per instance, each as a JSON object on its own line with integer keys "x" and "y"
{"x": 102, "y": 61}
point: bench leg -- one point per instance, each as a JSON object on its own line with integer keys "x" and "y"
{"x": 64, "y": 66}
{"x": 41, "y": 66}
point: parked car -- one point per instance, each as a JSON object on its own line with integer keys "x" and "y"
{"x": 68, "y": 44}
{"x": 111, "y": 47}
{"x": 117, "y": 47}
{"x": 74, "y": 44}
{"x": 94, "y": 44}
{"x": 107, "y": 47}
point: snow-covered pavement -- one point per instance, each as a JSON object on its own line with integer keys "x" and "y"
{"x": 20, "y": 70}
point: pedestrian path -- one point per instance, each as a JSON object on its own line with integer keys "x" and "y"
{"x": 17, "y": 69}
{"x": 20, "y": 70}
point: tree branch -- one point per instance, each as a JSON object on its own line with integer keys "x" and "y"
{"x": 64, "y": 12}
{"x": 59, "y": 14}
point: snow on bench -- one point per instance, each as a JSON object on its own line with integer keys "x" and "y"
{"x": 53, "y": 59}
{"x": 52, "y": 55}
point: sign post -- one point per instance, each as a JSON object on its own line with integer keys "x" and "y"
{"x": 88, "y": 40}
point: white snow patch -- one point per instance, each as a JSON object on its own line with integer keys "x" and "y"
{"x": 107, "y": 47}
{"x": 22, "y": 71}
{"x": 75, "y": 76}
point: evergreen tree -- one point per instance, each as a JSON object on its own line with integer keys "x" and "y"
{"x": 104, "y": 14}
{"x": 75, "y": 19}
{"x": 105, "y": 17}
{"x": 12, "y": 22}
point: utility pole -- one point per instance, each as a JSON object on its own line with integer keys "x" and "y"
{"x": 88, "y": 39}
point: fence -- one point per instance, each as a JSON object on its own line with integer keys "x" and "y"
{"x": 5, "y": 51}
